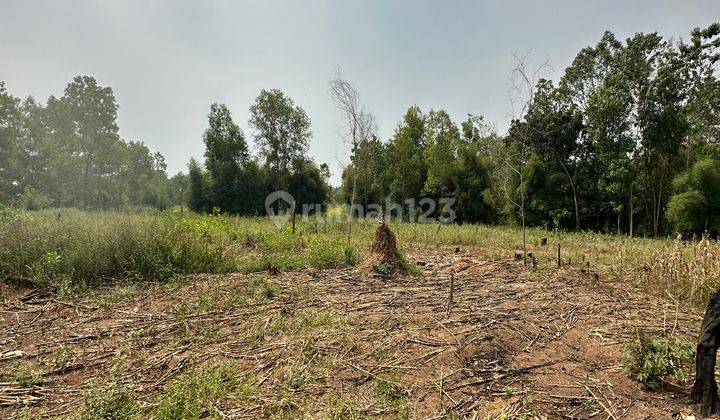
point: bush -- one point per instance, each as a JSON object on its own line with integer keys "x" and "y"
{"x": 651, "y": 358}
{"x": 32, "y": 199}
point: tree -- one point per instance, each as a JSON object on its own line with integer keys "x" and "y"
{"x": 10, "y": 123}
{"x": 282, "y": 131}
{"x": 198, "y": 199}
{"x": 93, "y": 112}
{"x": 442, "y": 149}
{"x": 554, "y": 131}
{"x": 405, "y": 157}
{"x": 366, "y": 174}
{"x": 177, "y": 185}
{"x": 226, "y": 155}
{"x": 359, "y": 128}
{"x": 511, "y": 173}
{"x": 695, "y": 206}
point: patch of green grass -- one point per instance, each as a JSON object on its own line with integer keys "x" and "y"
{"x": 27, "y": 376}
{"x": 344, "y": 408}
{"x": 389, "y": 389}
{"x": 200, "y": 394}
{"x": 651, "y": 358}
{"x": 109, "y": 401}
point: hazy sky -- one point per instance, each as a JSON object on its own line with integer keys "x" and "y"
{"x": 167, "y": 61}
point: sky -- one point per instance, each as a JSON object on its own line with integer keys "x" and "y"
{"x": 167, "y": 61}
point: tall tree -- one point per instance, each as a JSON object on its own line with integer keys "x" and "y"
{"x": 282, "y": 132}
{"x": 10, "y": 125}
{"x": 93, "y": 112}
{"x": 406, "y": 160}
{"x": 359, "y": 128}
{"x": 226, "y": 155}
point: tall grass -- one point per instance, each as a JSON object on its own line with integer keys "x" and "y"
{"x": 69, "y": 245}
{"x": 50, "y": 247}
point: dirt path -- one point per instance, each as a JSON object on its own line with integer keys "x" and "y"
{"x": 339, "y": 342}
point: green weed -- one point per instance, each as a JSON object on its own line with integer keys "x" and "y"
{"x": 650, "y": 358}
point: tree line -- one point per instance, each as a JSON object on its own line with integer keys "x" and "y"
{"x": 67, "y": 153}
{"x": 626, "y": 141}
{"x": 231, "y": 180}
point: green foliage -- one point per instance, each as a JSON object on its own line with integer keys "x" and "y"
{"x": 389, "y": 389}
{"x": 67, "y": 152}
{"x": 282, "y": 131}
{"x": 696, "y": 204}
{"x": 650, "y": 358}
{"x": 197, "y": 394}
{"x": 27, "y": 376}
{"x": 32, "y": 199}
{"x": 111, "y": 401}
{"x": 76, "y": 248}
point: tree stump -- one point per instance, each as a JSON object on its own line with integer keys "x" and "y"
{"x": 705, "y": 390}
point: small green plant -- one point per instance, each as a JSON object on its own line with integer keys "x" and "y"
{"x": 650, "y": 358}
{"x": 197, "y": 394}
{"x": 113, "y": 401}
{"x": 26, "y": 376}
{"x": 389, "y": 389}
{"x": 508, "y": 390}
{"x": 383, "y": 269}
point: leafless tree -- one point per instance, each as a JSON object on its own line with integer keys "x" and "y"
{"x": 512, "y": 158}
{"x": 358, "y": 125}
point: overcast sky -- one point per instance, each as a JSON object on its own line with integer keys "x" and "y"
{"x": 167, "y": 61}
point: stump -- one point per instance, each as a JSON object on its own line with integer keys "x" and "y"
{"x": 705, "y": 390}
{"x": 384, "y": 255}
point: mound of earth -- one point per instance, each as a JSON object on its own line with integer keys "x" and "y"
{"x": 384, "y": 256}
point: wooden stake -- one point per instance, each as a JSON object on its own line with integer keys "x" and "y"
{"x": 450, "y": 297}
{"x": 559, "y": 261}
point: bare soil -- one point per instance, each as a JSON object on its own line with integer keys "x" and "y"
{"x": 514, "y": 342}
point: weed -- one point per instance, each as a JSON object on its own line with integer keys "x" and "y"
{"x": 111, "y": 401}
{"x": 650, "y": 358}
{"x": 389, "y": 389}
{"x": 197, "y": 394}
{"x": 27, "y": 376}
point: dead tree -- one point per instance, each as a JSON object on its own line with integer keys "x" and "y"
{"x": 705, "y": 390}
{"x": 359, "y": 127}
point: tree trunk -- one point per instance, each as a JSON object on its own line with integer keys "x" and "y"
{"x": 631, "y": 212}
{"x": 575, "y": 199}
{"x": 705, "y": 390}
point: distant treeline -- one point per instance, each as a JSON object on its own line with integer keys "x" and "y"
{"x": 628, "y": 140}
{"x": 67, "y": 153}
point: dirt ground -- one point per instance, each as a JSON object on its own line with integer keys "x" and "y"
{"x": 342, "y": 343}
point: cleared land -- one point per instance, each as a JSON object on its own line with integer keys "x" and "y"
{"x": 341, "y": 342}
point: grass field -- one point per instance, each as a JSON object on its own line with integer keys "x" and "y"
{"x": 72, "y": 250}
{"x": 173, "y": 316}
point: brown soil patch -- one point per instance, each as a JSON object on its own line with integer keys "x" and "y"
{"x": 514, "y": 342}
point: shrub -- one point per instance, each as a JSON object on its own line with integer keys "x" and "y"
{"x": 651, "y": 358}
